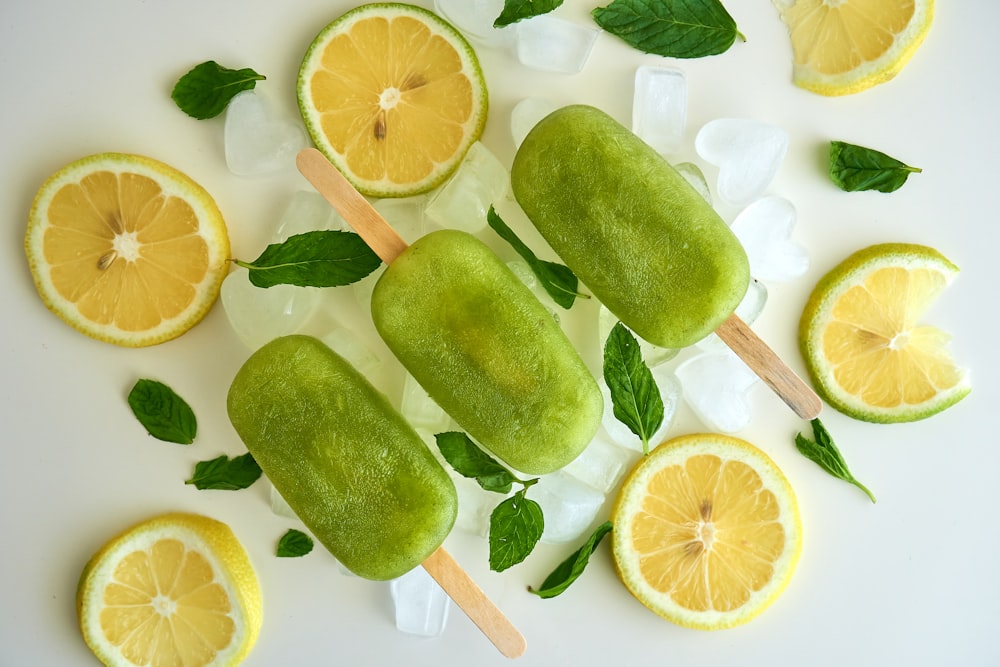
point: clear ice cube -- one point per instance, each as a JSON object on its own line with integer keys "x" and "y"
{"x": 526, "y": 114}
{"x": 553, "y": 44}
{"x": 765, "y": 230}
{"x": 717, "y": 387}
{"x": 259, "y": 314}
{"x": 693, "y": 174}
{"x": 659, "y": 107}
{"x": 258, "y": 138}
{"x": 353, "y": 349}
{"x": 524, "y": 273}
{"x": 307, "y": 211}
{"x": 464, "y": 200}
{"x": 568, "y": 505}
{"x": 405, "y": 215}
{"x": 420, "y": 409}
{"x": 421, "y": 605}
{"x": 747, "y": 153}
{"x": 602, "y": 464}
{"x": 670, "y": 393}
{"x": 749, "y": 310}
{"x": 475, "y": 19}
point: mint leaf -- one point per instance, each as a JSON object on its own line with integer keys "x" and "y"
{"x": 855, "y": 168}
{"x": 164, "y": 414}
{"x": 515, "y": 10}
{"x": 634, "y": 395}
{"x": 558, "y": 280}
{"x": 294, "y": 544}
{"x": 205, "y": 91}
{"x": 823, "y": 452}
{"x": 226, "y": 474}
{"x": 570, "y": 569}
{"x": 470, "y": 461}
{"x": 516, "y": 525}
{"x": 673, "y": 28}
{"x": 323, "y": 258}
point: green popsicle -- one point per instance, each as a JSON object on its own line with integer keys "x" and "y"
{"x": 344, "y": 459}
{"x": 487, "y": 351}
{"x": 632, "y": 229}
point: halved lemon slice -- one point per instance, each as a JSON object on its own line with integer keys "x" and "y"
{"x": 177, "y": 589}
{"x": 841, "y": 47}
{"x": 865, "y": 349}
{"x": 706, "y": 531}
{"x": 126, "y": 249}
{"x": 393, "y": 96}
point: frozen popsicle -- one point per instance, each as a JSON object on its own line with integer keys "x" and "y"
{"x": 477, "y": 340}
{"x": 640, "y": 237}
{"x": 353, "y": 470}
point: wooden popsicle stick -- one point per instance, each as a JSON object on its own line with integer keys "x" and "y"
{"x": 387, "y": 244}
{"x": 473, "y": 601}
{"x": 769, "y": 367}
{"x": 352, "y": 206}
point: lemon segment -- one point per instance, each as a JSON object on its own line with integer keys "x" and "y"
{"x": 393, "y": 96}
{"x": 707, "y": 531}
{"x": 841, "y": 47}
{"x": 177, "y": 589}
{"x": 865, "y": 348}
{"x": 126, "y": 249}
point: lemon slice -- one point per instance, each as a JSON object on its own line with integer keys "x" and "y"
{"x": 126, "y": 249}
{"x": 706, "y": 531}
{"x": 177, "y": 589}
{"x": 393, "y": 96}
{"x": 865, "y": 350}
{"x": 841, "y": 47}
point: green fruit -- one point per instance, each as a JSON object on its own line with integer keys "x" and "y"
{"x": 631, "y": 228}
{"x": 344, "y": 459}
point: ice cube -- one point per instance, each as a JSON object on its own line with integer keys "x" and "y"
{"x": 307, "y": 211}
{"x": 352, "y": 348}
{"x": 421, "y": 604}
{"x": 568, "y": 505}
{"x": 280, "y": 506}
{"x": 420, "y": 409}
{"x": 405, "y": 215}
{"x": 475, "y": 504}
{"x": 670, "y": 393}
{"x": 258, "y": 138}
{"x": 693, "y": 174}
{"x": 553, "y": 44}
{"x": 747, "y": 153}
{"x": 475, "y": 19}
{"x": 717, "y": 387}
{"x": 602, "y": 464}
{"x": 526, "y": 114}
{"x": 653, "y": 355}
{"x": 749, "y": 310}
{"x": 463, "y": 201}
{"x": 765, "y": 230}
{"x": 260, "y": 314}
{"x": 659, "y": 107}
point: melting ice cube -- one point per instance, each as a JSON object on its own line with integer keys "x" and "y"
{"x": 463, "y": 201}
{"x": 307, "y": 211}
{"x": 602, "y": 464}
{"x": 717, "y": 387}
{"x": 659, "y": 107}
{"x": 670, "y": 393}
{"x": 568, "y": 505}
{"x": 259, "y": 314}
{"x": 258, "y": 138}
{"x": 765, "y": 230}
{"x": 421, "y": 604}
{"x": 693, "y": 174}
{"x": 747, "y": 153}
{"x": 526, "y": 114}
{"x": 475, "y": 19}
{"x": 553, "y": 44}
{"x": 405, "y": 215}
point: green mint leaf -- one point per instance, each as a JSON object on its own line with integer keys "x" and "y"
{"x": 516, "y": 525}
{"x": 515, "y": 10}
{"x": 206, "y": 90}
{"x": 294, "y": 544}
{"x": 558, "y": 280}
{"x": 570, "y": 569}
{"x": 226, "y": 474}
{"x": 854, "y": 168}
{"x": 823, "y": 452}
{"x": 164, "y": 414}
{"x": 634, "y": 395}
{"x": 470, "y": 461}
{"x": 673, "y": 28}
{"x": 322, "y": 258}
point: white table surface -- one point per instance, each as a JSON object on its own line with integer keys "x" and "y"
{"x": 911, "y": 580}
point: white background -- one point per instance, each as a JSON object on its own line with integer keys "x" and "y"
{"x": 910, "y": 580}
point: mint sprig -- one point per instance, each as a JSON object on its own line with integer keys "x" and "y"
{"x": 207, "y": 89}
{"x": 854, "y": 168}
{"x": 567, "y": 572}
{"x": 823, "y": 452}
{"x": 226, "y": 474}
{"x": 673, "y": 28}
{"x": 322, "y": 258}
{"x": 294, "y": 544}
{"x": 634, "y": 395}
{"x": 516, "y": 10}
{"x": 558, "y": 280}
{"x": 165, "y": 415}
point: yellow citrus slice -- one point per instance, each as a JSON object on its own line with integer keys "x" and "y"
{"x": 393, "y": 96}
{"x": 126, "y": 249}
{"x": 867, "y": 353}
{"x": 706, "y": 531}
{"x": 841, "y": 47}
{"x": 174, "y": 590}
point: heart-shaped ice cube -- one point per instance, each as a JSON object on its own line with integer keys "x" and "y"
{"x": 259, "y": 139}
{"x": 717, "y": 387}
{"x": 747, "y": 153}
{"x": 765, "y": 230}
